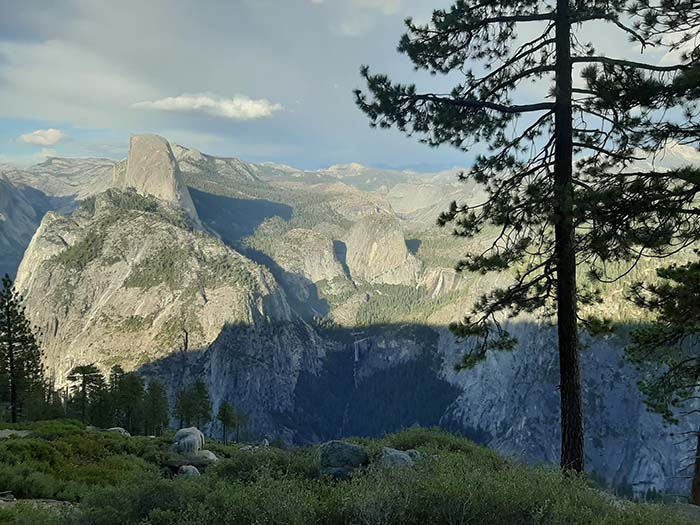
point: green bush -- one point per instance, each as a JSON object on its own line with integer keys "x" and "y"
{"x": 118, "y": 481}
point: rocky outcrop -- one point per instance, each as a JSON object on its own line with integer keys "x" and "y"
{"x": 377, "y": 252}
{"x": 304, "y": 258}
{"x": 152, "y": 169}
{"x": 188, "y": 471}
{"x": 188, "y": 440}
{"x": 119, "y": 430}
{"x": 188, "y": 451}
{"x": 392, "y": 458}
{"x": 339, "y": 459}
{"x": 125, "y": 277}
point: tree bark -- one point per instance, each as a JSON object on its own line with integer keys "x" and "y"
{"x": 12, "y": 375}
{"x": 572, "y": 454}
{"x": 695, "y": 485}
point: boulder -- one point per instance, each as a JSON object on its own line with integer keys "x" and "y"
{"x": 17, "y": 433}
{"x": 188, "y": 441}
{"x": 392, "y": 458}
{"x": 207, "y": 456}
{"x": 188, "y": 471}
{"x": 415, "y": 455}
{"x": 119, "y": 430}
{"x": 339, "y": 459}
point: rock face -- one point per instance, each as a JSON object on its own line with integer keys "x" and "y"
{"x": 125, "y": 277}
{"x": 151, "y": 169}
{"x": 339, "y": 459}
{"x": 74, "y": 179}
{"x": 377, "y": 252}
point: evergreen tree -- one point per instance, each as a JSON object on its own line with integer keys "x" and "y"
{"x": 201, "y": 402}
{"x": 240, "y": 423}
{"x": 542, "y": 227}
{"x": 185, "y": 406}
{"x": 227, "y": 417}
{"x": 100, "y": 404}
{"x": 88, "y": 384}
{"x": 667, "y": 351}
{"x": 156, "y": 408}
{"x": 21, "y": 371}
{"x": 129, "y": 399}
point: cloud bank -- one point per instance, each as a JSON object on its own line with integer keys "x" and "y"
{"x": 43, "y": 137}
{"x": 238, "y": 107}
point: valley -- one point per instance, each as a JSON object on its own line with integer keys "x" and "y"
{"x": 317, "y": 301}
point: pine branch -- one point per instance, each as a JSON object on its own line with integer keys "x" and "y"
{"x": 481, "y": 104}
{"x": 630, "y": 63}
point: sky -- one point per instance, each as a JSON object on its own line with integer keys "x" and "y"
{"x": 263, "y": 80}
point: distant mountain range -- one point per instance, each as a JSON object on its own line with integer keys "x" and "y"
{"x": 316, "y": 301}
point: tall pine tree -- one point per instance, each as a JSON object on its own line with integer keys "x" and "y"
{"x": 21, "y": 370}
{"x": 532, "y": 204}
{"x": 88, "y": 385}
{"x": 156, "y": 408}
{"x": 227, "y": 418}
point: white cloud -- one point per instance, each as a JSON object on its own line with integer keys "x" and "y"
{"x": 239, "y": 107}
{"x": 43, "y": 137}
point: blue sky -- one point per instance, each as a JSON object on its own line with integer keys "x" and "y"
{"x": 264, "y": 80}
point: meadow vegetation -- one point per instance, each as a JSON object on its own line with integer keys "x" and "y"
{"x": 119, "y": 480}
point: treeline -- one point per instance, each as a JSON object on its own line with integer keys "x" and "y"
{"x": 120, "y": 399}
{"x": 123, "y": 399}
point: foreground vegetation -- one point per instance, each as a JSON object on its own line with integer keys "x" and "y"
{"x": 118, "y": 480}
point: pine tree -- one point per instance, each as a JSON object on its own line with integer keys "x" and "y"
{"x": 88, "y": 384}
{"x": 227, "y": 417}
{"x": 541, "y": 227}
{"x": 185, "y": 406}
{"x": 201, "y": 403}
{"x": 130, "y": 395}
{"x": 156, "y": 408}
{"x": 667, "y": 351}
{"x": 240, "y": 423}
{"x": 21, "y": 370}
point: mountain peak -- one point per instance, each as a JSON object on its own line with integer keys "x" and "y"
{"x": 151, "y": 169}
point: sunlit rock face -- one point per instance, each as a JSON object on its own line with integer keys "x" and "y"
{"x": 377, "y": 252}
{"x": 151, "y": 169}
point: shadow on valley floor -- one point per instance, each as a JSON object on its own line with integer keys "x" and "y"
{"x": 310, "y": 384}
{"x": 234, "y": 218}
{"x": 13, "y": 250}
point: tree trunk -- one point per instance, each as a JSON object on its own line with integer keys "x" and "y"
{"x": 12, "y": 372}
{"x": 695, "y": 485}
{"x": 83, "y": 400}
{"x": 572, "y": 455}
{"x": 223, "y": 436}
